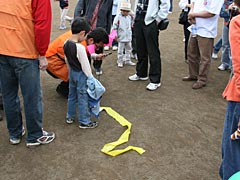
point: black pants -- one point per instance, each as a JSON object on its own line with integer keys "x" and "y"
{"x": 186, "y": 36}
{"x": 98, "y": 63}
{"x": 134, "y": 48}
{"x": 148, "y": 48}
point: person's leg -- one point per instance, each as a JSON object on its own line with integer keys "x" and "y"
{"x": 72, "y": 96}
{"x": 64, "y": 10}
{"x": 171, "y": 6}
{"x": 226, "y": 47}
{"x": 114, "y": 43}
{"x": 82, "y": 97}
{"x": 1, "y": 102}
{"x": 26, "y": 73}
{"x": 128, "y": 49}
{"x": 186, "y": 35}
{"x": 205, "y": 47}
{"x": 142, "y": 53}
{"x": 217, "y": 46}
{"x": 193, "y": 57}
{"x": 120, "y": 54}
{"x": 151, "y": 33}
{"x": 97, "y": 64}
{"x": 134, "y": 46}
{"x": 11, "y": 100}
{"x": 63, "y": 89}
{"x": 30, "y": 85}
{"x": 230, "y": 148}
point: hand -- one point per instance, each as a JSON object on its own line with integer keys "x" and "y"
{"x": 191, "y": 18}
{"x": 100, "y": 56}
{"x": 189, "y": 5}
{"x": 43, "y": 63}
{"x": 230, "y": 6}
{"x": 116, "y": 39}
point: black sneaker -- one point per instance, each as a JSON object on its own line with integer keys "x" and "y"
{"x": 46, "y": 138}
{"x": 88, "y": 126}
{"x": 62, "y": 89}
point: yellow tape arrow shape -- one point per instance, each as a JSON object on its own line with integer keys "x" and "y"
{"x": 108, "y": 148}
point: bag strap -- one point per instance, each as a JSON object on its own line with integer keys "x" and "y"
{"x": 189, "y": 1}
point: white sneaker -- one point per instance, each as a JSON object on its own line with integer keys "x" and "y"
{"x": 214, "y": 55}
{"x": 223, "y": 67}
{"x": 135, "y": 77}
{"x": 106, "y": 48}
{"x": 114, "y": 48}
{"x": 153, "y": 86}
{"x": 130, "y": 63}
{"x": 15, "y": 141}
{"x": 120, "y": 65}
{"x": 99, "y": 72}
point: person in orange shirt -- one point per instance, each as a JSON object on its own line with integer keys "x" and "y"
{"x": 230, "y": 145}
{"x": 57, "y": 66}
{"x": 25, "y": 35}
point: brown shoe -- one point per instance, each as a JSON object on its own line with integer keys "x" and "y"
{"x": 198, "y": 85}
{"x": 189, "y": 78}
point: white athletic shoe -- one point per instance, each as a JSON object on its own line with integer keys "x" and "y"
{"x": 153, "y": 86}
{"x": 135, "y": 77}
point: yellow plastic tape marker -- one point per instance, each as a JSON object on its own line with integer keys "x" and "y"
{"x": 108, "y": 148}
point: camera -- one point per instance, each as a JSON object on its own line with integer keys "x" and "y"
{"x": 109, "y": 53}
{"x": 234, "y": 11}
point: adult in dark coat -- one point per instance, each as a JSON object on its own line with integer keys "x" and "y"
{"x": 99, "y": 14}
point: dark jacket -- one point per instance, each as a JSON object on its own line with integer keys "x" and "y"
{"x": 85, "y": 8}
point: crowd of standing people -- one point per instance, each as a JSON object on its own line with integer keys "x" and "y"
{"x": 22, "y": 59}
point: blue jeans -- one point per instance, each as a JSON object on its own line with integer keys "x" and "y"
{"x": 78, "y": 95}
{"x": 230, "y": 148}
{"x": 217, "y": 46}
{"x": 226, "y": 51}
{"x": 24, "y": 73}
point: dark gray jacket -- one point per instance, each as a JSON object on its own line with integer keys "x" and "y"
{"x": 85, "y": 8}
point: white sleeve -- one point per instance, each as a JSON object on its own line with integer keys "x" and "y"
{"x": 163, "y": 10}
{"x": 83, "y": 59}
{"x": 182, "y": 4}
{"x": 215, "y": 7}
{"x": 115, "y": 22}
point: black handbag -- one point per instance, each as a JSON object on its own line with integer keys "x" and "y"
{"x": 163, "y": 24}
{"x": 183, "y": 17}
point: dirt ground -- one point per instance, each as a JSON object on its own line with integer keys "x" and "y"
{"x": 179, "y": 128}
